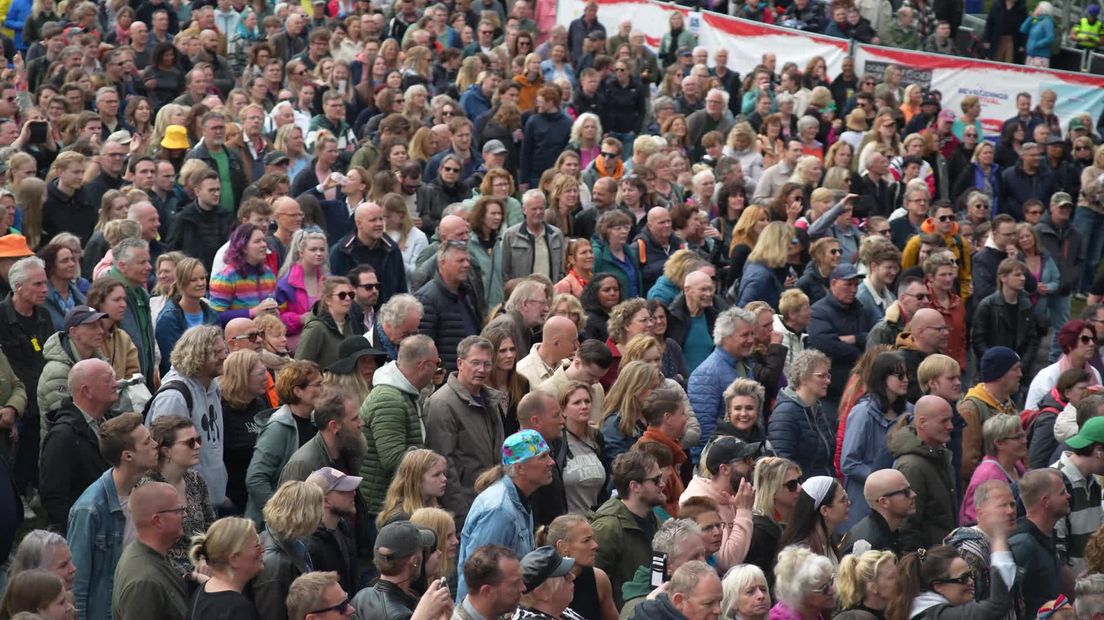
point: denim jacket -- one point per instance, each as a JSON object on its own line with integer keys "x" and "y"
{"x": 57, "y": 308}
{"x": 96, "y": 524}
{"x": 498, "y": 516}
{"x": 171, "y": 324}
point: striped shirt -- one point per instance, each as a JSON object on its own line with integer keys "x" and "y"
{"x": 1072, "y": 532}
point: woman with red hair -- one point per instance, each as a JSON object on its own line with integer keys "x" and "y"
{"x": 1077, "y": 341}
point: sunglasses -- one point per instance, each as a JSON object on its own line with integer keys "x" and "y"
{"x": 1087, "y": 339}
{"x": 946, "y": 218}
{"x": 369, "y": 287}
{"x": 343, "y": 295}
{"x": 901, "y": 375}
{"x": 341, "y": 608}
{"x": 249, "y": 336}
{"x": 611, "y": 155}
{"x": 654, "y": 479}
{"x": 191, "y": 442}
{"x": 450, "y": 169}
{"x": 793, "y": 485}
{"x": 835, "y": 251}
{"x": 961, "y": 580}
{"x": 905, "y": 491}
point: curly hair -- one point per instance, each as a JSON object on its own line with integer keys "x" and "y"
{"x": 620, "y": 317}
{"x": 195, "y": 348}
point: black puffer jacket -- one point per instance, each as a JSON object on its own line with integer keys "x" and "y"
{"x": 200, "y": 233}
{"x": 995, "y": 326}
{"x": 444, "y": 318}
{"x": 71, "y": 462}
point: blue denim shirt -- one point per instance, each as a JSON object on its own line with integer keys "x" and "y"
{"x": 57, "y": 307}
{"x": 96, "y": 525}
{"x": 498, "y": 516}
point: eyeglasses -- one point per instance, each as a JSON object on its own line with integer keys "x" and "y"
{"x": 961, "y": 580}
{"x": 343, "y": 295}
{"x": 191, "y": 442}
{"x": 918, "y": 296}
{"x": 477, "y": 363}
{"x": 179, "y": 511}
{"x": 907, "y": 491}
{"x": 793, "y": 485}
{"x": 341, "y": 608}
{"x": 371, "y": 286}
{"x": 1088, "y": 339}
{"x": 605, "y": 154}
{"x": 249, "y": 336}
{"x": 826, "y": 588}
{"x": 1082, "y": 148}
{"x": 946, "y": 218}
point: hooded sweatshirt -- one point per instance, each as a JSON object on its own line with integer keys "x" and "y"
{"x": 736, "y": 524}
{"x": 977, "y": 406}
{"x": 910, "y": 256}
{"x": 393, "y": 424}
{"x": 206, "y": 414}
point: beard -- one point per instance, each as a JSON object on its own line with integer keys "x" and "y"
{"x": 351, "y": 443}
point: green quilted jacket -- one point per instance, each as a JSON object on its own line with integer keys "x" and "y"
{"x": 392, "y": 425}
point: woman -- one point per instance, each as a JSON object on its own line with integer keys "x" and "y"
{"x": 177, "y": 452}
{"x": 573, "y": 537}
{"x": 139, "y": 115}
{"x": 30, "y": 197}
{"x": 675, "y": 269}
{"x": 498, "y": 183}
{"x": 798, "y": 428}
{"x": 62, "y": 293}
{"x": 645, "y": 348}
{"x": 410, "y": 240}
{"x": 805, "y": 585}
{"x": 187, "y": 307}
{"x": 289, "y": 139}
{"x": 164, "y": 270}
{"x": 745, "y": 235}
{"x": 864, "y": 444}
{"x": 44, "y": 550}
{"x": 983, "y": 174}
{"x": 563, "y": 201}
{"x": 113, "y": 206}
{"x": 677, "y": 36}
{"x": 232, "y": 552}
{"x": 825, "y": 253}
{"x": 628, "y": 319}
{"x": 579, "y": 267}
{"x": 586, "y": 133}
{"x": 731, "y": 202}
{"x": 162, "y": 78}
{"x": 37, "y": 592}
{"x": 741, "y": 146}
{"x": 1042, "y": 267}
{"x": 1077, "y": 340}
{"x": 743, "y": 405}
{"x": 777, "y": 483}
{"x": 821, "y": 507}
{"x": 623, "y": 420}
{"x": 246, "y": 287}
{"x": 243, "y": 384}
{"x": 865, "y": 583}
{"x": 504, "y": 376}
{"x": 938, "y": 583}
{"x": 1010, "y": 145}
{"x": 665, "y": 189}
{"x": 585, "y": 473}
{"x": 807, "y": 130}
{"x": 529, "y": 82}
{"x": 291, "y": 515}
{"x": 419, "y": 482}
{"x": 614, "y": 254}
{"x": 1056, "y": 410}
{"x": 1039, "y": 28}
{"x": 1005, "y": 445}
{"x": 746, "y": 593}
{"x": 300, "y": 283}
{"x": 442, "y": 563}
{"x": 598, "y": 298}
{"x": 569, "y": 307}
{"x": 910, "y": 106}
{"x": 328, "y": 323}
{"x": 108, "y": 295}
{"x": 767, "y": 268}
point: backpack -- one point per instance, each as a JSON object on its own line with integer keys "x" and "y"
{"x": 174, "y": 386}
{"x": 1028, "y": 417}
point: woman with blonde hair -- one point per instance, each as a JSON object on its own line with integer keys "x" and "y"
{"x": 563, "y": 200}
{"x": 836, "y": 178}
{"x": 745, "y": 234}
{"x": 243, "y": 384}
{"x": 291, "y": 515}
{"x": 646, "y": 348}
{"x": 443, "y": 524}
{"x": 164, "y": 270}
{"x": 300, "y": 280}
{"x": 573, "y": 537}
{"x": 742, "y": 147}
{"x": 746, "y": 593}
{"x": 586, "y": 138}
{"x": 289, "y": 139}
{"x": 864, "y": 584}
{"x": 910, "y": 107}
{"x": 680, "y": 264}
{"x": 624, "y": 406}
{"x": 882, "y": 135}
{"x": 765, "y": 272}
{"x": 328, "y": 322}
{"x": 186, "y": 303}
{"x": 627, "y": 319}
{"x": 169, "y": 114}
{"x": 113, "y": 206}
{"x": 419, "y": 482}
{"x": 529, "y": 82}
{"x": 420, "y": 148}
{"x": 777, "y": 483}
{"x": 570, "y": 307}
{"x": 232, "y": 551}
{"x": 400, "y": 228}
{"x": 804, "y": 586}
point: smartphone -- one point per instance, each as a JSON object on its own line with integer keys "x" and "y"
{"x": 38, "y": 132}
{"x": 659, "y": 569}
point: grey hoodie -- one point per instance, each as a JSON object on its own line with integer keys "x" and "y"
{"x": 390, "y": 375}
{"x": 206, "y": 414}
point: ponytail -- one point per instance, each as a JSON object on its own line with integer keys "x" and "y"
{"x": 915, "y": 573}
{"x": 197, "y": 550}
{"x": 489, "y": 477}
{"x": 847, "y": 582}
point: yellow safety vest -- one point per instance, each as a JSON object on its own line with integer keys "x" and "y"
{"x": 1087, "y": 35}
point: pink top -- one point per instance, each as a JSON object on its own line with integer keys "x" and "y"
{"x": 736, "y": 537}
{"x": 987, "y": 469}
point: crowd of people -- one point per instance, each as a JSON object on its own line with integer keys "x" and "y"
{"x": 449, "y": 312}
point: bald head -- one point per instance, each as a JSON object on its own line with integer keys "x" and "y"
{"x": 696, "y": 278}
{"x": 285, "y": 204}
{"x": 560, "y": 338}
{"x": 929, "y": 330}
{"x": 453, "y": 228}
{"x": 881, "y": 482}
{"x": 238, "y": 334}
{"x": 150, "y": 499}
{"x": 659, "y": 224}
{"x": 932, "y": 420}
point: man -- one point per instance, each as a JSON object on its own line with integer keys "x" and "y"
{"x": 589, "y": 364}
{"x": 391, "y": 415}
{"x": 877, "y": 194}
{"x": 608, "y": 164}
{"x": 581, "y": 27}
{"x": 1024, "y": 115}
{"x": 532, "y": 246}
{"x": 942, "y": 222}
{"x": 999, "y": 377}
{"x": 625, "y": 525}
{"x": 560, "y": 340}
{"x": 53, "y": 40}
{"x": 161, "y": 18}
{"x": 166, "y": 195}
{"x": 190, "y": 390}
{"x": 212, "y": 151}
{"x": 252, "y": 125}
{"x": 200, "y": 228}
{"x": 242, "y": 335}
{"x": 370, "y": 245}
{"x": 25, "y": 326}
{"x": 927, "y": 334}
{"x": 71, "y": 458}
{"x": 693, "y": 593}
{"x": 773, "y": 178}
{"x": 525, "y": 311}
{"x": 338, "y": 444}
{"x": 332, "y": 120}
{"x": 81, "y": 338}
{"x": 132, "y": 268}
{"x": 318, "y": 590}
{"x": 399, "y": 555}
{"x": 451, "y": 227}
{"x": 712, "y": 118}
{"x": 398, "y": 319}
{"x": 478, "y": 98}
{"x": 1026, "y": 180}
{"x": 1063, "y": 242}
{"x": 143, "y": 179}
{"x": 891, "y": 501}
{"x": 726, "y": 481}
{"x": 912, "y": 296}
{"x": 97, "y": 520}
{"x": 366, "y": 285}
{"x": 495, "y": 585}
{"x": 922, "y": 456}
{"x": 291, "y": 41}
{"x": 692, "y": 317}
{"x": 462, "y": 423}
{"x": 107, "y": 105}
{"x": 654, "y": 245}
{"x": 917, "y": 199}
{"x": 451, "y": 311}
{"x": 1000, "y": 245}
{"x": 680, "y": 541}
{"x": 68, "y": 208}
{"x": 461, "y": 146}
{"x": 1047, "y": 502}
{"x": 500, "y": 514}
{"x": 996, "y": 513}
{"x": 901, "y": 32}
{"x": 139, "y": 42}
{"x": 540, "y": 411}
{"x": 146, "y": 584}
{"x": 839, "y": 326}
{"x": 734, "y": 336}
{"x": 1079, "y": 468}
{"x": 603, "y": 197}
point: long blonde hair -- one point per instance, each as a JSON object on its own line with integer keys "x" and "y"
{"x": 634, "y": 380}
{"x": 404, "y": 495}
{"x": 773, "y": 247}
{"x": 441, "y": 522}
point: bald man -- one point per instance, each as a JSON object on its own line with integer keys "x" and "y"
{"x": 891, "y": 500}
{"x": 450, "y": 228}
{"x": 560, "y": 341}
{"x": 369, "y": 244}
{"x": 242, "y": 335}
{"x": 146, "y": 584}
{"x": 926, "y": 334}
{"x": 658, "y": 245}
{"x": 698, "y": 289}
{"x": 925, "y": 460}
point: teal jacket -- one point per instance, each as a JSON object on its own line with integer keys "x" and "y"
{"x": 605, "y": 263}
{"x": 278, "y": 440}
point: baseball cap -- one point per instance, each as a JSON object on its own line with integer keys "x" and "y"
{"x": 1092, "y": 432}
{"x": 275, "y": 158}
{"x": 946, "y": 115}
{"x": 846, "y": 271}
{"x": 542, "y": 564}
{"x": 494, "y": 146}
{"x": 930, "y": 100}
{"x": 402, "y": 539}
{"x": 726, "y": 448}
{"x": 14, "y": 246}
{"x": 331, "y": 479}
{"x": 684, "y": 51}
{"x": 1077, "y": 123}
{"x": 81, "y": 315}
{"x": 522, "y": 446}
{"x": 1061, "y": 198}
{"x": 1053, "y": 139}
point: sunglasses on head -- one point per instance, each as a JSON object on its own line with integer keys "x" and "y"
{"x": 249, "y": 336}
